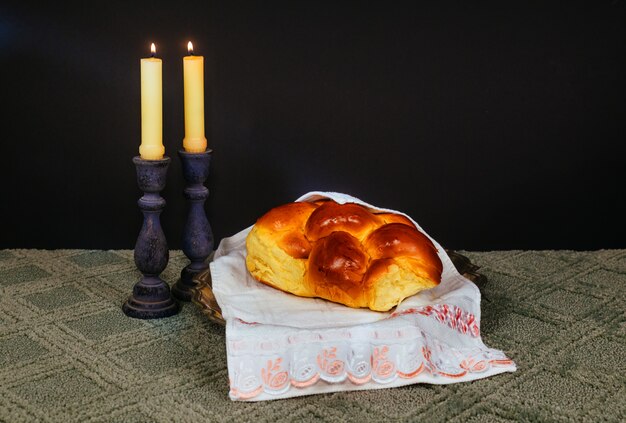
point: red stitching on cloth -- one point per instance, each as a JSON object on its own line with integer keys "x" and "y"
{"x": 455, "y": 317}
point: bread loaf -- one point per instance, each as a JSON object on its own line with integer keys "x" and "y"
{"x": 342, "y": 253}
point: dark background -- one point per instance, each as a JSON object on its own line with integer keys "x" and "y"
{"x": 499, "y": 126}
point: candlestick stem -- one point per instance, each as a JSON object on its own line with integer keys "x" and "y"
{"x": 197, "y": 234}
{"x": 151, "y": 297}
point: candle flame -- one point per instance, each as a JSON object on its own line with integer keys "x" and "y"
{"x": 153, "y": 49}
{"x": 190, "y": 47}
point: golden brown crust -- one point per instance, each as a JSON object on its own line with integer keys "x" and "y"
{"x": 342, "y": 253}
{"x": 336, "y": 267}
{"x": 397, "y": 240}
{"x": 395, "y": 218}
{"x": 288, "y": 220}
{"x": 288, "y": 217}
{"x": 331, "y": 217}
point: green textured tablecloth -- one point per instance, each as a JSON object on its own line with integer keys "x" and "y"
{"x": 68, "y": 353}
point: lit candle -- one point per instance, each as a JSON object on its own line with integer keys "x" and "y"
{"x": 193, "y": 73}
{"x": 151, "y": 147}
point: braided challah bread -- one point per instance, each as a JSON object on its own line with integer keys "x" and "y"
{"x": 342, "y": 253}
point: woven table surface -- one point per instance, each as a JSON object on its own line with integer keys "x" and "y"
{"x": 68, "y": 353}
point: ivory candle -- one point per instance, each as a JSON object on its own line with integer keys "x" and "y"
{"x": 151, "y": 147}
{"x": 193, "y": 74}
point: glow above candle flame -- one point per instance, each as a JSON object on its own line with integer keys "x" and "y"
{"x": 153, "y": 49}
{"x": 190, "y": 47}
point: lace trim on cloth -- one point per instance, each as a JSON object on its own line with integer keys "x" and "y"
{"x": 360, "y": 355}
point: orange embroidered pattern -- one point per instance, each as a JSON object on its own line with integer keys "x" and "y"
{"x": 382, "y": 367}
{"x": 328, "y": 363}
{"x": 412, "y": 355}
{"x": 276, "y": 380}
{"x": 272, "y": 375}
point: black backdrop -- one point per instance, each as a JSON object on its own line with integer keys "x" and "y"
{"x": 496, "y": 126}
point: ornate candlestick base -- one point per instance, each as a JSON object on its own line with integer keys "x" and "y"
{"x": 197, "y": 235}
{"x": 151, "y": 298}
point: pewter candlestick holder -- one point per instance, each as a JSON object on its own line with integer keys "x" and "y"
{"x": 197, "y": 234}
{"x": 151, "y": 298}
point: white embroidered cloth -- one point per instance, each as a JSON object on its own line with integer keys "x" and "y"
{"x": 279, "y": 345}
